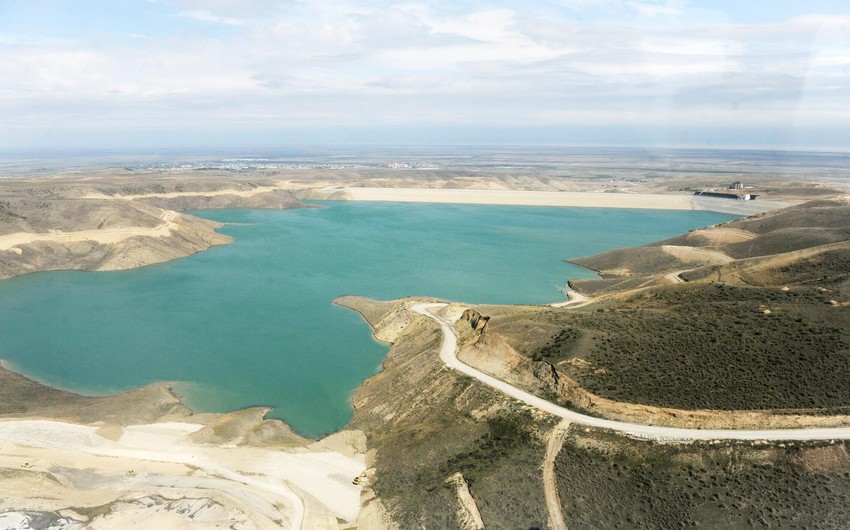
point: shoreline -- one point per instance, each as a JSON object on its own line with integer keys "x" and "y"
{"x": 572, "y": 297}
{"x": 173, "y": 446}
{"x": 204, "y": 438}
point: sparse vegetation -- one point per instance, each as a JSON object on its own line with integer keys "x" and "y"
{"x": 611, "y": 482}
{"x": 701, "y": 347}
{"x": 414, "y": 464}
{"x": 423, "y": 437}
{"x": 776, "y": 337}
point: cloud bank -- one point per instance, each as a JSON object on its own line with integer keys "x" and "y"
{"x": 187, "y": 72}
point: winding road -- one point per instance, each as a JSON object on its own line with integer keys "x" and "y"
{"x": 448, "y": 354}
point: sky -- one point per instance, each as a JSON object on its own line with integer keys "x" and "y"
{"x": 87, "y": 74}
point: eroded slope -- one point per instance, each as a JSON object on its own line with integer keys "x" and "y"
{"x": 426, "y": 423}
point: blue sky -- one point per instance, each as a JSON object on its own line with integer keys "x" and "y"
{"x": 219, "y": 73}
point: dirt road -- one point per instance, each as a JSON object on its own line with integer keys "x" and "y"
{"x": 550, "y": 478}
{"x": 448, "y": 354}
{"x": 275, "y": 488}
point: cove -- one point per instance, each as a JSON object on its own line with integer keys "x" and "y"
{"x": 251, "y": 323}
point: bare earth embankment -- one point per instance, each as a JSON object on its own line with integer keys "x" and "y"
{"x": 142, "y": 459}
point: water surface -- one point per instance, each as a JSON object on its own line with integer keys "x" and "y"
{"x": 252, "y": 323}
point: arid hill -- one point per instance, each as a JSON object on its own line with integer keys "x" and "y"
{"x": 108, "y": 226}
{"x": 798, "y": 245}
{"x": 767, "y": 346}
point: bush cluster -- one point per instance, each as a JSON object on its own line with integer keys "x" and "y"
{"x": 710, "y": 347}
{"x": 702, "y": 486}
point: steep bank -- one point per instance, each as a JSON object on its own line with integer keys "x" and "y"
{"x": 425, "y": 423}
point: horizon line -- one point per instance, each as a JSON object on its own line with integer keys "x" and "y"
{"x": 217, "y": 149}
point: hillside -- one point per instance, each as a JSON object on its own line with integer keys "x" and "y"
{"x": 766, "y": 347}
{"x": 116, "y": 225}
{"x": 425, "y": 424}
{"x": 763, "y": 326}
{"x": 777, "y": 248}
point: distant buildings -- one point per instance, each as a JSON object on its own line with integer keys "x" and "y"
{"x": 737, "y": 185}
{"x": 727, "y": 195}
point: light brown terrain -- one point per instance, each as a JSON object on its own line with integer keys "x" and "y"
{"x": 95, "y": 226}
{"x": 142, "y": 458}
{"x": 792, "y": 282}
{"x": 110, "y": 219}
{"x": 444, "y": 448}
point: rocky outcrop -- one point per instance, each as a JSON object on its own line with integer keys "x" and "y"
{"x": 474, "y": 319}
{"x": 493, "y": 355}
{"x": 470, "y": 326}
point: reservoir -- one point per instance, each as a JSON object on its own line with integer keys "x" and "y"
{"x": 252, "y": 323}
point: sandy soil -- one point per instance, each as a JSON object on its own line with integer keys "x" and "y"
{"x": 468, "y": 514}
{"x": 721, "y": 235}
{"x": 244, "y": 486}
{"x": 550, "y": 477}
{"x": 574, "y": 299}
{"x": 105, "y": 235}
{"x": 697, "y": 255}
{"x": 175, "y": 194}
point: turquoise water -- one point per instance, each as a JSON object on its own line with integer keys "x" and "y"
{"x": 252, "y": 323}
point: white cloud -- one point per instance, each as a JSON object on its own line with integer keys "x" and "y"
{"x": 320, "y": 62}
{"x": 652, "y": 9}
{"x": 648, "y": 8}
{"x": 206, "y": 16}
